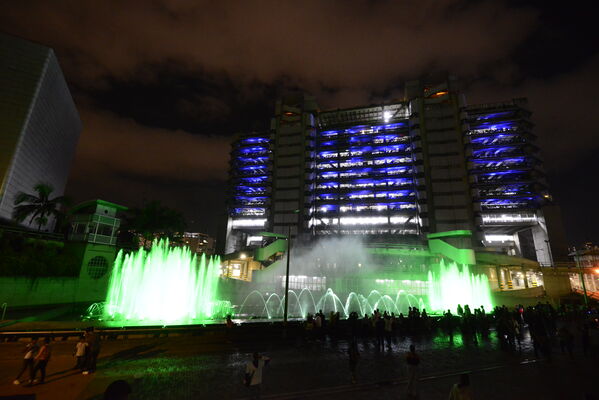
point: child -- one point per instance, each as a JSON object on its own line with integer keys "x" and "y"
{"x": 80, "y": 352}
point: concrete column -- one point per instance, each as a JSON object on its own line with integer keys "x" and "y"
{"x": 525, "y": 278}
{"x": 499, "y": 281}
{"x": 508, "y": 278}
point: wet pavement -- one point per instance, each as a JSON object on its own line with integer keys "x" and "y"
{"x": 182, "y": 368}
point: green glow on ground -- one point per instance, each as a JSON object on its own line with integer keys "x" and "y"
{"x": 450, "y": 285}
{"x": 164, "y": 285}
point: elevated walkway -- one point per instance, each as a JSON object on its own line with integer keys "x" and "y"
{"x": 485, "y": 257}
{"x": 279, "y": 246}
{"x": 387, "y": 249}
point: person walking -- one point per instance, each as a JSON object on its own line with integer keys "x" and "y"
{"x": 80, "y": 352}
{"x": 354, "y": 357}
{"x": 253, "y": 374}
{"x": 461, "y": 390}
{"x": 412, "y": 362}
{"x": 30, "y": 352}
{"x": 41, "y": 361}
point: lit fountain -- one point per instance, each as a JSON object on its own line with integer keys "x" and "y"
{"x": 448, "y": 285}
{"x": 170, "y": 285}
{"x": 164, "y": 285}
{"x": 304, "y": 303}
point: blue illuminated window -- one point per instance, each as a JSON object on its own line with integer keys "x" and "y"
{"x": 253, "y": 150}
{"x": 494, "y": 115}
{"x": 255, "y": 140}
{"x": 254, "y": 179}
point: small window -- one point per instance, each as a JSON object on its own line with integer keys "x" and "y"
{"x": 97, "y": 267}
{"x": 79, "y": 229}
{"x": 104, "y": 229}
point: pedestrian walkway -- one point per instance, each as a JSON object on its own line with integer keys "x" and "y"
{"x": 182, "y": 368}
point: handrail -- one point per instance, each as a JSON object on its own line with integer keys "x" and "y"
{"x": 30, "y": 233}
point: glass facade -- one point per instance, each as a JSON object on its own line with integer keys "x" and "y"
{"x": 250, "y": 180}
{"x": 363, "y": 180}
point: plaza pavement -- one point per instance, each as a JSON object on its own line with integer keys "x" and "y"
{"x": 185, "y": 368}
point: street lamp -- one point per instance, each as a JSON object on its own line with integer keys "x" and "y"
{"x": 287, "y": 275}
{"x": 285, "y": 312}
{"x": 576, "y": 255}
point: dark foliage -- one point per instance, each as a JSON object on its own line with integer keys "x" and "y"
{"x": 35, "y": 258}
{"x": 153, "y": 220}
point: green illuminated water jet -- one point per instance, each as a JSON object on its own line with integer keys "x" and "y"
{"x": 164, "y": 284}
{"x": 450, "y": 285}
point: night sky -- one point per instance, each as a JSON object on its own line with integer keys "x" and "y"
{"x": 163, "y": 85}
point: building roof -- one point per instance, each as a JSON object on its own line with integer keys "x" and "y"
{"x": 96, "y": 202}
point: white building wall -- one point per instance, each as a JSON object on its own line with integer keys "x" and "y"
{"x": 47, "y": 143}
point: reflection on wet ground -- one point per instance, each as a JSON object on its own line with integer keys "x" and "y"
{"x": 302, "y": 366}
{"x": 183, "y": 367}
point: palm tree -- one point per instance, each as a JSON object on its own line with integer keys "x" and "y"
{"x": 38, "y": 206}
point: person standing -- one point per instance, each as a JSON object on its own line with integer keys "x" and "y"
{"x": 253, "y": 374}
{"x": 380, "y": 332}
{"x": 41, "y": 361}
{"x": 354, "y": 357}
{"x": 80, "y": 352}
{"x": 566, "y": 339}
{"x": 94, "y": 345}
{"x": 585, "y": 339}
{"x": 388, "y": 330}
{"x": 318, "y": 325}
{"x": 461, "y": 390}
{"x": 30, "y": 352}
{"x": 412, "y": 361}
{"x": 229, "y": 328}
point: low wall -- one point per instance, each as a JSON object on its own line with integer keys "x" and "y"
{"x": 25, "y": 292}
{"x": 526, "y": 297}
{"x": 557, "y": 283}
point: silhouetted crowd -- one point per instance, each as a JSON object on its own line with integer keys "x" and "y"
{"x": 546, "y": 326}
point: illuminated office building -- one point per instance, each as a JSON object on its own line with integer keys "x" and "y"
{"x": 39, "y": 123}
{"x": 393, "y": 173}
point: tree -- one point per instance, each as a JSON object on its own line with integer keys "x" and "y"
{"x": 39, "y": 206}
{"x": 154, "y": 220}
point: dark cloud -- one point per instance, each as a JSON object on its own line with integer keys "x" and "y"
{"x": 359, "y": 43}
{"x": 163, "y": 84}
{"x": 121, "y": 146}
{"x": 195, "y": 101}
{"x": 565, "y": 125}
